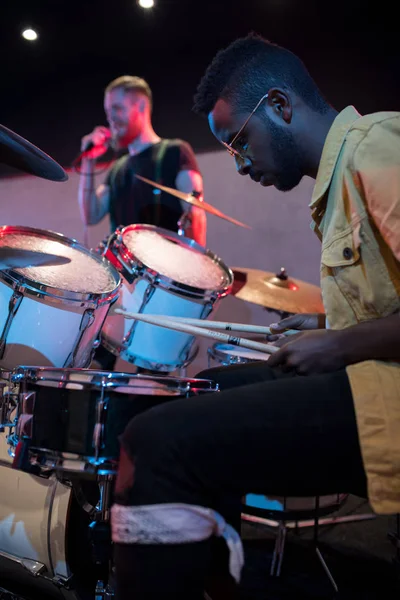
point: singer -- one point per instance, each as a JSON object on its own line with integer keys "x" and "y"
{"x": 127, "y": 200}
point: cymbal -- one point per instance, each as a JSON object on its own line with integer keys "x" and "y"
{"x": 16, "y": 258}
{"x": 190, "y": 199}
{"x": 276, "y": 291}
{"x": 17, "y": 152}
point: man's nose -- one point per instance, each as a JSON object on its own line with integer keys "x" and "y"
{"x": 243, "y": 165}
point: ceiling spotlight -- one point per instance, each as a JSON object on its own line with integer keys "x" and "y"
{"x": 146, "y": 3}
{"x": 30, "y": 35}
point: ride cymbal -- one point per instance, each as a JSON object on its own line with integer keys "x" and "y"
{"x": 276, "y": 291}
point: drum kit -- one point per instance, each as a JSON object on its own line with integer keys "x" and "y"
{"x": 144, "y": 294}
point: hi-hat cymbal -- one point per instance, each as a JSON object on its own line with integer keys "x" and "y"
{"x": 17, "y": 258}
{"x": 276, "y": 291}
{"x": 190, "y": 199}
{"x": 17, "y": 152}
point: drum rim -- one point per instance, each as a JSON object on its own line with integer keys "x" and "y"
{"x": 167, "y": 282}
{"x": 217, "y": 354}
{"x": 111, "y": 379}
{"x": 12, "y": 277}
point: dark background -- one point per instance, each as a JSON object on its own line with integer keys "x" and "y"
{"x": 52, "y": 89}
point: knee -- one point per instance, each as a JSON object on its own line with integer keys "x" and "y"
{"x": 144, "y": 435}
{"x": 145, "y": 451}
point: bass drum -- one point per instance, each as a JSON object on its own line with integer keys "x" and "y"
{"x": 45, "y": 544}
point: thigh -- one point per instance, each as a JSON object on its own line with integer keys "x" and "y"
{"x": 244, "y": 374}
{"x": 290, "y": 436}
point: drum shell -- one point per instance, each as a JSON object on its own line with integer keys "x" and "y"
{"x": 44, "y": 320}
{"x": 64, "y": 420}
{"x": 150, "y": 292}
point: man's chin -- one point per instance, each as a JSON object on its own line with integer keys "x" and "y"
{"x": 286, "y": 185}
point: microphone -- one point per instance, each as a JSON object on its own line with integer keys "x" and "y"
{"x": 107, "y": 142}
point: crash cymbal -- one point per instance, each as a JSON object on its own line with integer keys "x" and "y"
{"x": 16, "y": 258}
{"x": 17, "y": 152}
{"x": 276, "y": 291}
{"x": 190, "y": 199}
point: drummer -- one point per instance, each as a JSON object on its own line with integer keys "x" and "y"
{"x": 322, "y": 415}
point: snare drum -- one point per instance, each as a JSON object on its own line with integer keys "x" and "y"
{"x": 72, "y": 418}
{"x": 52, "y": 315}
{"x": 163, "y": 274}
{"x": 228, "y": 354}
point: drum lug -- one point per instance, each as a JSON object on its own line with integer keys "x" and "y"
{"x": 127, "y": 340}
{"x": 8, "y": 403}
{"x": 34, "y": 567}
{"x": 98, "y": 432}
{"x": 86, "y": 321}
{"x": 25, "y": 415}
{"x": 13, "y": 307}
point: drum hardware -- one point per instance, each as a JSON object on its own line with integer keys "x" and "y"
{"x": 98, "y": 432}
{"x": 8, "y": 405}
{"x": 86, "y": 322}
{"x": 34, "y": 567}
{"x": 228, "y": 354}
{"x": 116, "y": 252}
{"x": 184, "y": 222}
{"x": 37, "y": 569}
{"x": 127, "y": 340}
{"x": 13, "y": 306}
{"x": 103, "y": 593}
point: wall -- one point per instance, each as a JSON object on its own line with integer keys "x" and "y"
{"x": 280, "y": 234}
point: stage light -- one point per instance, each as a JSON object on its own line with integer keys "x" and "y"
{"x": 146, "y": 3}
{"x": 30, "y": 35}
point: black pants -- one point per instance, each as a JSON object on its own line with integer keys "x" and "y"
{"x": 105, "y": 358}
{"x": 266, "y": 432}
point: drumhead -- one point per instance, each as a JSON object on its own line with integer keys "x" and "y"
{"x": 176, "y": 258}
{"x": 85, "y": 274}
{"x": 233, "y": 353}
{"x": 124, "y": 383}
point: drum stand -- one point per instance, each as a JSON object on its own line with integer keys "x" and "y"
{"x": 292, "y": 519}
{"x": 100, "y": 535}
{"x": 101, "y": 539}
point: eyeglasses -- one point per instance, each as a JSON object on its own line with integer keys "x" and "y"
{"x": 229, "y": 147}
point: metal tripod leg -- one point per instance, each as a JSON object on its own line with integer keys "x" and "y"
{"x": 279, "y": 550}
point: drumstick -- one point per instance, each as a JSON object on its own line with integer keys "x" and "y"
{"x": 221, "y": 325}
{"x": 192, "y": 330}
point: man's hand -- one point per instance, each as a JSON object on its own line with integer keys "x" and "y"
{"x": 99, "y": 138}
{"x": 318, "y": 351}
{"x": 302, "y": 322}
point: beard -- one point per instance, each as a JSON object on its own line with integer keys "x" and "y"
{"x": 286, "y": 156}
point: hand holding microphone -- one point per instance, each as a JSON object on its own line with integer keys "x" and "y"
{"x": 96, "y": 143}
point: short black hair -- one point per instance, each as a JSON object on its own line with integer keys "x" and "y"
{"x": 244, "y": 71}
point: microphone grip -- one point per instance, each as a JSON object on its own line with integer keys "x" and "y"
{"x": 88, "y": 147}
